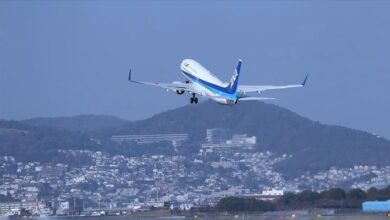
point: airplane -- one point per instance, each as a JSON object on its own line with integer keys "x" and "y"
{"x": 200, "y": 81}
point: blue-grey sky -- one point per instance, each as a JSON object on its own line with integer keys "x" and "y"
{"x": 62, "y": 58}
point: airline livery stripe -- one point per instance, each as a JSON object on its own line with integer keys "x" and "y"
{"x": 223, "y": 92}
{"x": 196, "y": 79}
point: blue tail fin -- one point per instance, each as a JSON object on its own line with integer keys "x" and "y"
{"x": 232, "y": 87}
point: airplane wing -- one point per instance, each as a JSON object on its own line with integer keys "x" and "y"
{"x": 243, "y": 89}
{"x": 175, "y": 86}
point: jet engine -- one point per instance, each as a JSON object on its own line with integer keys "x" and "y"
{"x": 179, "y": 91}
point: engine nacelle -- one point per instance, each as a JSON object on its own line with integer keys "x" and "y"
{"x": 180, "y": 92}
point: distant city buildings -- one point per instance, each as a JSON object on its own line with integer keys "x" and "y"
{"x": 218, "y": 138}
{"x": 175, "y": 139}
{"x": 224, "y": 165}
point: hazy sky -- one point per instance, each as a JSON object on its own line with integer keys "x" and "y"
{"x": 66, "y": 58}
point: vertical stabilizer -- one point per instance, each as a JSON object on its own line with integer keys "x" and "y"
{"x": 232, "y": 87}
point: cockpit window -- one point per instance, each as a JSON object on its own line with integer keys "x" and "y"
{"x": 186, "y": 64}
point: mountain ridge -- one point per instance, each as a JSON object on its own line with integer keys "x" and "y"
{"x": 312, "y": 145}
{"x": 277, "y": 129}
{"x": 83, "y": 123}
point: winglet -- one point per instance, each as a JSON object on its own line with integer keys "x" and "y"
{"x": 304, "y": 81}
{"x": 130, "y": 75}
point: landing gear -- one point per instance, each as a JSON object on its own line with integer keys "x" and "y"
{"x": 193, "y": 99}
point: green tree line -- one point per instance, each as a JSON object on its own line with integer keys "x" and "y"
{"x": 332, "y": 198}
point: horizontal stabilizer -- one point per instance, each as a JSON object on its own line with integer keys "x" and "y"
{"x": 254, "y": 98}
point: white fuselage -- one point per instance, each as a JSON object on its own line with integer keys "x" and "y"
{"x": 206, "y": 83}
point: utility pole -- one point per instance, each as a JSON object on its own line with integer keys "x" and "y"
{"x": 74, "y": 204}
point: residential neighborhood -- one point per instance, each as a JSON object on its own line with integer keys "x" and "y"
{"x": 223, "y": 166}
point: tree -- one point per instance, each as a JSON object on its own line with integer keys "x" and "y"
{"x": 288, "y": 198}
{"x": 335, "y": 194}
{"x": 355, "y": 197}
{"x": 235, "y": 204}
{"x": 372, "y": 193}
{"x": 308, "y": 196}
{"x": 357, "y": 194}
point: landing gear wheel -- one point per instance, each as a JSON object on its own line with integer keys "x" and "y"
{"x": 193, "y": 99}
